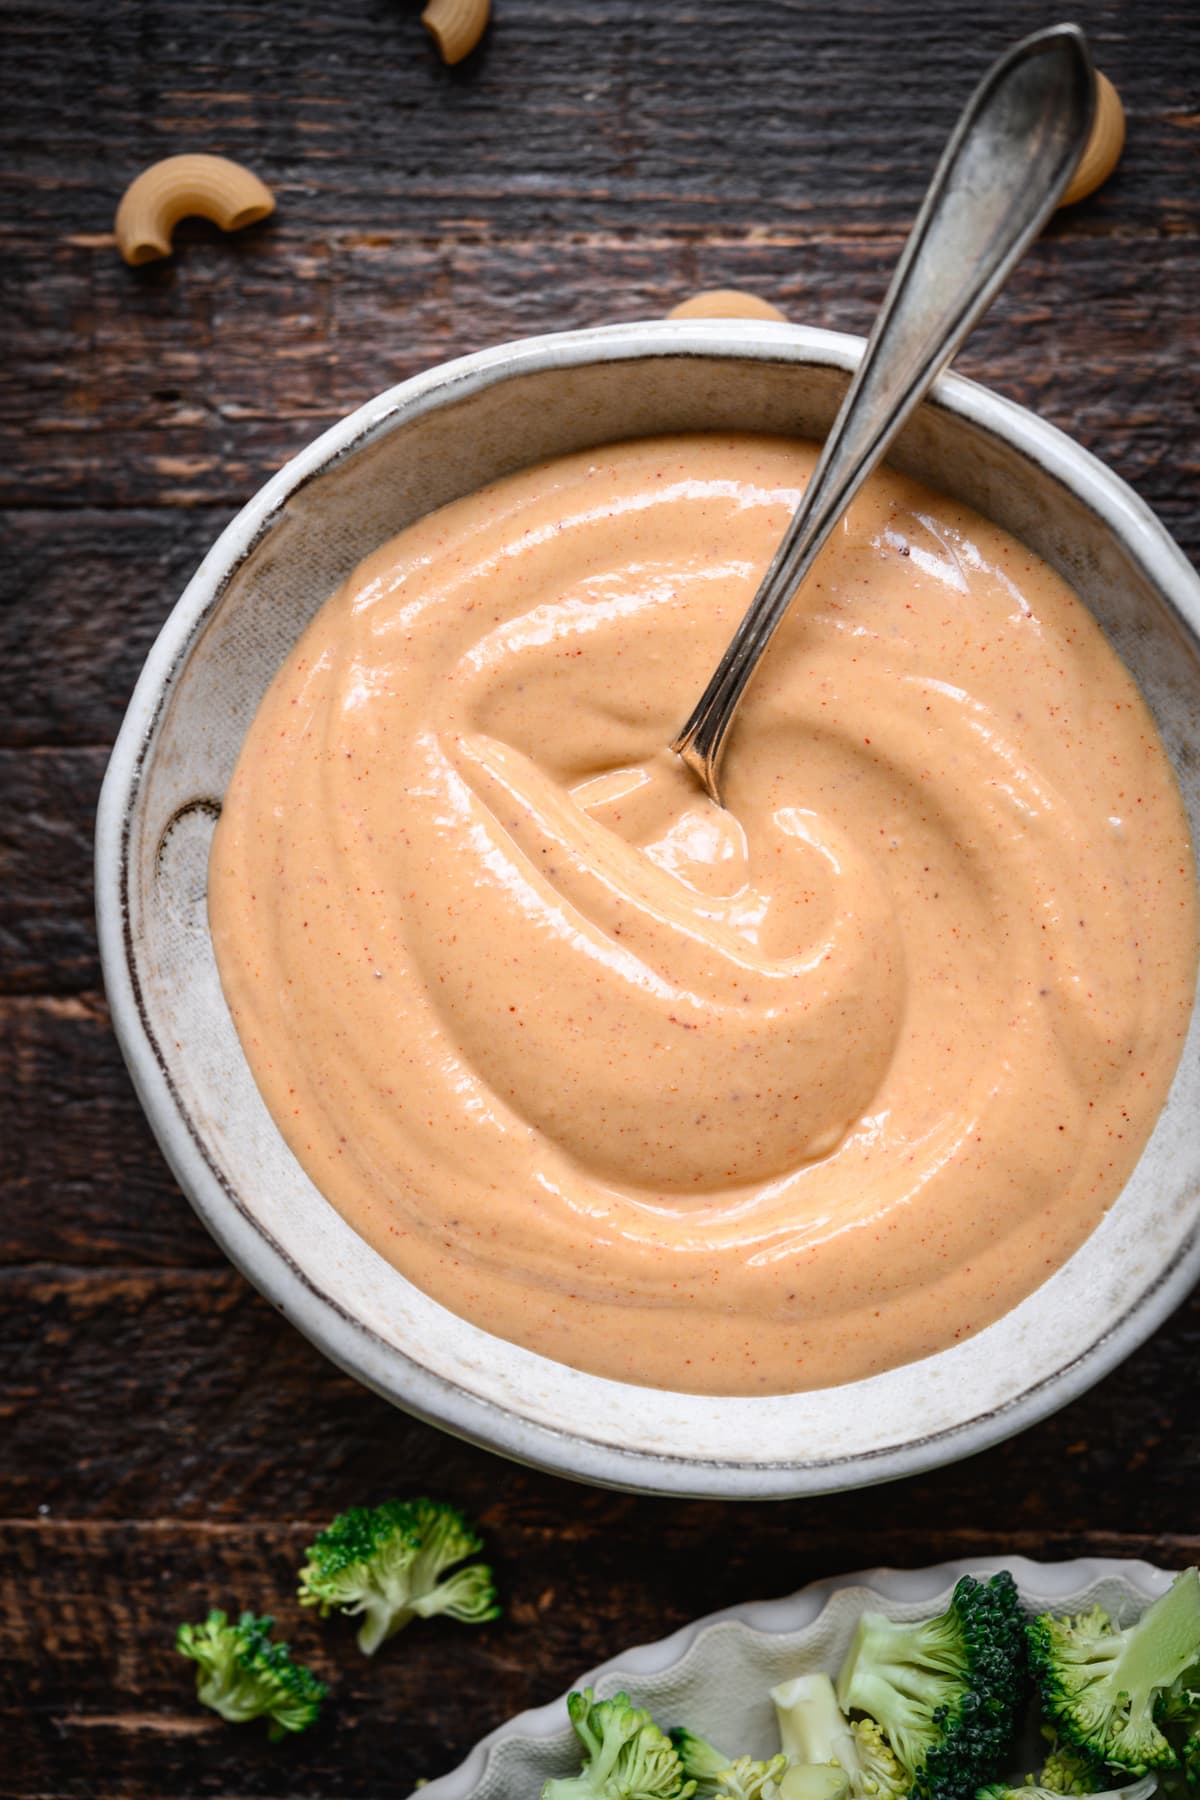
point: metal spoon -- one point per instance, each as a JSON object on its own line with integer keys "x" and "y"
{"x": 1005, "y": 167}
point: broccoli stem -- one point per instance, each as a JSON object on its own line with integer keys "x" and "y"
{"x": 814, "y": 1781}
{"x": 377, "y": 1620}
{"x": 1162, "y": 1645}
{"x": 812, "y": 1726}
{"x": 893, "y": 1647}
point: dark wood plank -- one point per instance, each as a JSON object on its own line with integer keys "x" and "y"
{"x": 226, "y": 1412}
{"x": 81, "y": 602}
{"x": 575, "y": 117}
{"x": 47, "y": 933}
{"x": 119, "y": 1713}
{"x": 203, "y": 386}
{"x": 84, "y": 1183}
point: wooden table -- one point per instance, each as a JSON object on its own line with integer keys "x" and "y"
{"x": 168, "y": 1441}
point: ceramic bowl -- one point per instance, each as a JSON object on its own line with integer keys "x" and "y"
{"x": 715, "y": 1674}
{"x": 428, "y": 441}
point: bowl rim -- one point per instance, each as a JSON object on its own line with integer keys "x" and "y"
{"x": 348, "y": 1342}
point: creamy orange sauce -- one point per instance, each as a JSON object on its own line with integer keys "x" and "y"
{"x": 727, "y": 1101}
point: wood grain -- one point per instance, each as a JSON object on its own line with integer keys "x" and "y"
{"x": 167, "y": 1440}
{"x": 125, "y": 1722}
{"x": 83, "y": 1181}
{"x": 47, "y": 938}
{"x": 572, "y": 117}
{"x": 189, "y": 420}
{"x": 78, "y": 617}
{"x": 210, "y": 1374}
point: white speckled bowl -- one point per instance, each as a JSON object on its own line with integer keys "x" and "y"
{"x": 431, "y": 439}
{"x": 714, "y": 1675}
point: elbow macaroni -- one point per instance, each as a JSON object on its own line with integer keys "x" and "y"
{"x": 1103, "y": 150}
{"x": 182, "y": 187}
{"x": 725, "y": 303}
{"x": 456, "y": 26}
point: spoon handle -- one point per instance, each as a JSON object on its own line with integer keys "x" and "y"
{"x": 1007, "y": 163}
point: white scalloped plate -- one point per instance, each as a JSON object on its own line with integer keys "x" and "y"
{"x": 714, "y": 1674}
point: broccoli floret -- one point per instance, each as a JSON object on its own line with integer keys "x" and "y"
{"x": 1067, "y": 1769}
{"x": 945, "y": 1693}
{"x": 1102, "y": 1686}
{"x": 1068, "y": 1772}
{"x": 625, "y": 1755}
{"x": 700, "y": 1760}
{"x": 882, "y": 1771}
{"x": 1181, "y": 1702}
{"x": 747, "y": 1778}
{"x": 1179, "y": 1715}
{"x": 1137, "y": 1790}
{"x": 721, "y": 1777}
{"x": 389, "y": 1563}
{"x": 243, "y": 1675}
{"x": 1181, "y": 1721}
{"x": 814, "y": 1729}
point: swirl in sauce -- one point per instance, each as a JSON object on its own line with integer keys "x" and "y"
{"x": 726, "y": 1101}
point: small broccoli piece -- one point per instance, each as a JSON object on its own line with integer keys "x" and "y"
{"x": 701, "y": 1761}
{"x": 625, "y": 1755}
{"x": 946, "y": 1692}
{"x": 882, "y": 1771}
{"x": 390, "y": 1564}
{"x": 1102, "y": 1686}
{"x": 1137, "y": 1790}
{"x": 814, "y": 1781}
{"x": 1179, "y": 1715}
{"x": 1181, "y": 1702}
{"x": 1187, "y": 1749}
{"x": 814, "y": 1729}
{"x": 1182, "y": 1698}
{"x": 1068, "y": 1770}
{"x": 720, "y": 1777}
{"x": 243, "y": 1675}
{"x": 747, "y": 1778}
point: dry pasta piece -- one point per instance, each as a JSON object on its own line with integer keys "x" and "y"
{"x": 1103, "y": 149}
{"x": 456, "y": 26}
{"x": 725, "y": 303}
{"x": 185, "y": 187}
